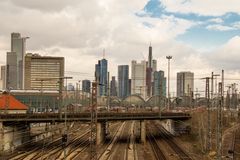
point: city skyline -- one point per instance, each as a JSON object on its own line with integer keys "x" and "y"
{"x": 194, "y": 37}
{"x": 119, "y": 79}
{"x": 102, "y": 68}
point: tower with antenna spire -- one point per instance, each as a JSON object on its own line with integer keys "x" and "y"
{"x": 101, "y": 75}
{"x": 150, "y": 56}
{"x": 149, "y": 72}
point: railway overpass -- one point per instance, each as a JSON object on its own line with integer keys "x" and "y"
{"x": 16, "y": 121}
{"x": 86, "y": 116}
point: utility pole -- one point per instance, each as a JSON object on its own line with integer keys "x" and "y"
{"x": 93, "y": 147}
{"x": 8, "y": 90}
{"x": 207, "y": 96}
{"x": 76, "y": 95}
{"x": 65, "y": 135}
{"x": 169, "y": 58}
{"x": 42, "y": 95}
{"x": 108, "y": 92}
{"x": 212, "y": 84}
{"x": 210, "y": 125}
{"x": 219, "y": 118}
{"x": 79, "y": 93}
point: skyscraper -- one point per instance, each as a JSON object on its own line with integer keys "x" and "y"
{"x": 113, "y": 87}
{"x": 38, "y": 68}
{"x": 185, "y": 83}
{"x": 150, "y": 57}
{"x": 86, "y": 86}
{"x": 159, "y": 83}
{"x": 138, "y": 80}
{"x": 151, "y": 68}
{"x": 3, "y": 77}
{"x": 149, "y": 72}
{"x": 123, "y": 81}
{"x": 129, "y": 86}
{"x": 154, "y": 65}
{"x": 101, "y": 76}
{"x": 11, "y": 71}
{"x": 15, "y": 62}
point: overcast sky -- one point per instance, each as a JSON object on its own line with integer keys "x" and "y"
{"x": 201, "y": 35}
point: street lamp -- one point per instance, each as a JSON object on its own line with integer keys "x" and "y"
{"x": 169, "y": 58}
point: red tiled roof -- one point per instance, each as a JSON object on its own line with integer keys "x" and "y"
{"x": 14, "y": 104}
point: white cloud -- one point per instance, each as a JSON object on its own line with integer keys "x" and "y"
{"x": 216, "y": 20}
{"x": 236, "y": 25}
{"x": 88, "y": 26}
{"x": 79, "y": 30}
{"x": 202, "y": 7}
{"x": 218, "y": 27}
{"x": 227, "y": 55}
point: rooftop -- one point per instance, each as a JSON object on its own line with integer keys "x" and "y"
{"x": 14, "y": 104}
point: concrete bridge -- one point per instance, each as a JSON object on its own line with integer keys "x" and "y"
{"x": 15, "y": 121}
{"x": 86, "y": 116}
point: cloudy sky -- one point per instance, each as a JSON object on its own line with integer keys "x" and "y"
{"x": 201, "y": 35}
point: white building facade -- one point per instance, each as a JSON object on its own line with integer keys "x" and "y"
{"x": 185, "y": 84}
{"x": 138, "y": 82}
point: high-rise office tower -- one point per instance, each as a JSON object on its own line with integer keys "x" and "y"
{"x": 101, "y": 75}
{"x": 129, "y": 86}
{"x": 86, "y": 86}
{"x": 11, "y": 71}
{"x": 138, "y": 80}
{"x": 185, "y": 83}
{"x": 154, "y": 65}
{"x": 150, "y": 57}
{"x": 151, "y": 68}
{"x": 123, "y": 81}
{"x": 3, "y": 77}
{"x": 149, "y": 81}
{"x": 43, "y": 72}
{"x": 159, "y": 83}
{"x": 113, "y": 87}
{"x": 15, "y": 62}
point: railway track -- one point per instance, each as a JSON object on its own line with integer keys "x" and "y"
{"x": 35, "y": 149}
{"x": 122, "y": 144}
{"x": 158, "y": 153}
{"x": 168, "y": 138}
{"x": 132, "y": 151}
{"x": 38, "y": 150}
{"x": 106, "y": 154}
{"x": 73, "y": 148}
{"x": 236, "y": 147}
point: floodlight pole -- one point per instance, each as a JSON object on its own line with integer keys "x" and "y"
{"x": 169, "y": 58}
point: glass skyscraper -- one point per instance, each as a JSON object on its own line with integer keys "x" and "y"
{"x": 101, "y": 76}
{"x": 159, "y": 84}
{"x": 123, "y": 81}
{"x": 86, "y": 86}
{"x": 113, "y": 87}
